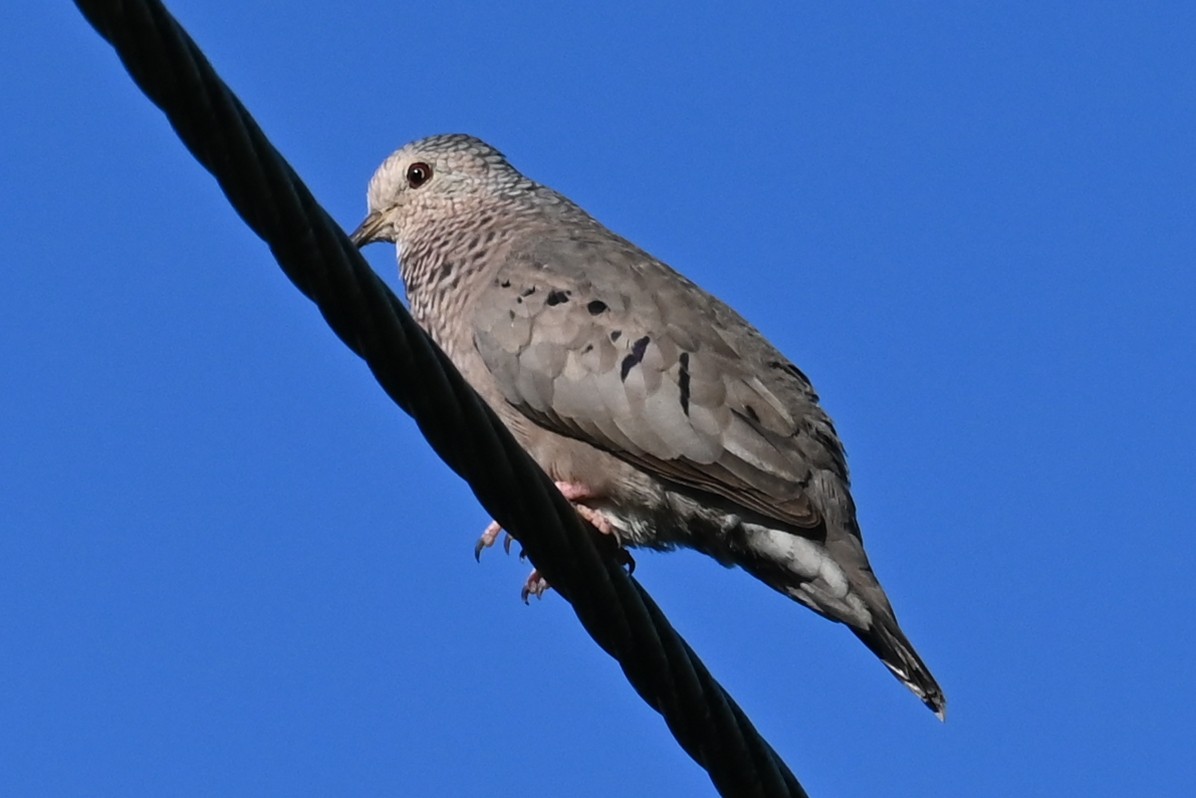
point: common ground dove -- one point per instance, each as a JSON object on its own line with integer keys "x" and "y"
{"x": 662, "y": 414}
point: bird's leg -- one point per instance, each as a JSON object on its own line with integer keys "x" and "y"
{"x": 576, "y": 493}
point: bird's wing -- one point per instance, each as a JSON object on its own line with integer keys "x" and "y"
{"x": 592, "y": 338}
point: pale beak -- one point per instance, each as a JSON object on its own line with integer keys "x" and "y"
{"x": 369, "y": 230}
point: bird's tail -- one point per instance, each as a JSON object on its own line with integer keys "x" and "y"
{"x": 814, "y": 574}
{"x": 886, "y": 640}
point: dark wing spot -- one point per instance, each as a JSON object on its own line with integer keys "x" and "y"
{"x": 556, "y": 298}
{"x": 635, "y": 358}
{"x": 588, "y": 349}
{"x": 528, "y": 291}
{"x": 505, "y": 284}
{"x": 751, "y": 413}
{"x": 625, "y": 368}
{"x": 596, "y": 306}
{"x": 615, "y": 335}
{"x": 684, "y": 383}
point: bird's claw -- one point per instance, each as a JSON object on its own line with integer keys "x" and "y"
{"x": 536, "y": 586}
{"x": 489, "y": 536}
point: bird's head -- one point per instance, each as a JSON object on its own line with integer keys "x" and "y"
{"x": 435, "y": 179}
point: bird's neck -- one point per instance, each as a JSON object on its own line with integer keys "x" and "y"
{"x": 445, "y": 263}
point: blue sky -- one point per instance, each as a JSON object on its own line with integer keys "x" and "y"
{"x": 229, "y": 566}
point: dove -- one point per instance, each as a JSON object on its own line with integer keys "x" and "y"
{"x": 664, "y": 417}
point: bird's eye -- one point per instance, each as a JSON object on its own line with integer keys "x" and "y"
{"x": 418, "y": 174}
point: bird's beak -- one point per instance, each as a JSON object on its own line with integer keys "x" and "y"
{"x": 369, "y": 230}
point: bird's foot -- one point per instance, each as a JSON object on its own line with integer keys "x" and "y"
{"x": 488, "y": 538}
{"x": 536, "y": 585}
{"x": 576, "y": 493}
{"x": 598, "y": 520}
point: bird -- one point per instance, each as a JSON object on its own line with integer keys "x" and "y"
{"x": 662, "y": 415}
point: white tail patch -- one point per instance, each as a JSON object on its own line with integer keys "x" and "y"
{"x": 818, "y": 581}
{"x": 804, "y": 558}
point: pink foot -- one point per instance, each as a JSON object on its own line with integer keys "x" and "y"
{"x": 487, "y": 540}
{"x": 535, "y": 586}
{"x": 598, "y": 520}
{"x": 575, "y": 492}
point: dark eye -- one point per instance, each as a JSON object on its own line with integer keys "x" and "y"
{"x": 418, "y": 174}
